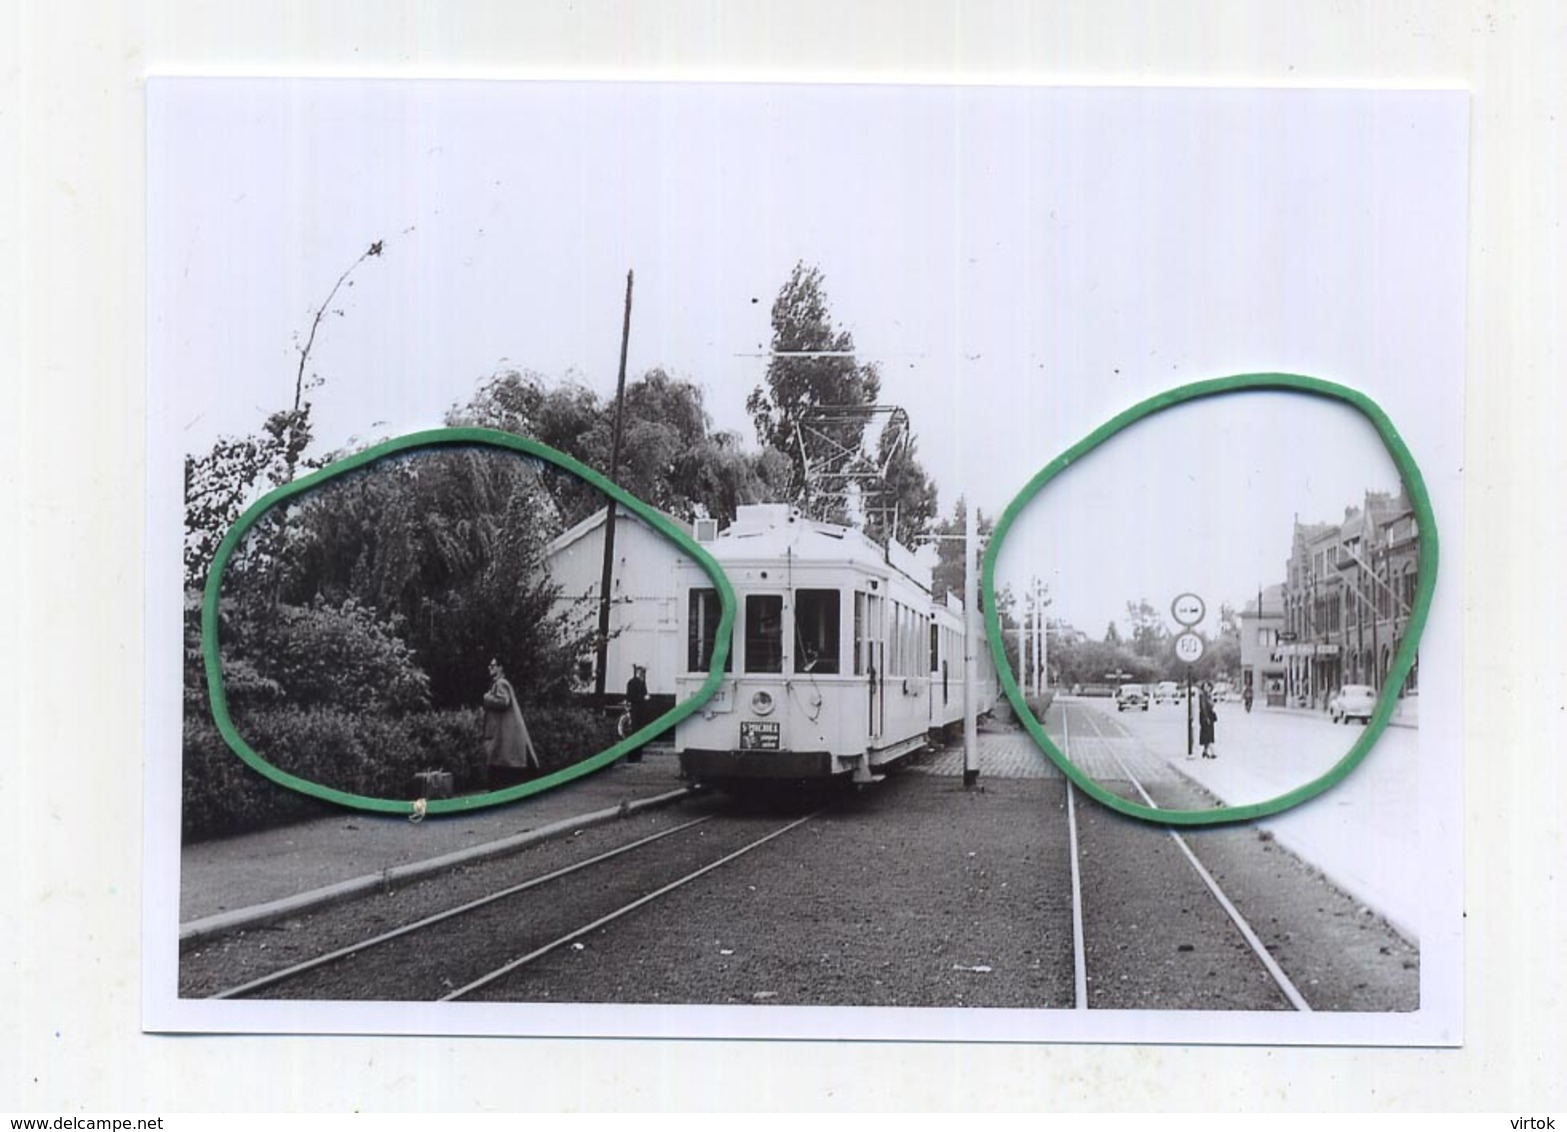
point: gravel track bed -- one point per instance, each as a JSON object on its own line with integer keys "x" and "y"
{"x": 1154, "y": 937}
{"x": 916, "y": 893}
{"x": 1337, "y": 953}
{"x": 230, "y": 960}
{"x": 431, "y": 963}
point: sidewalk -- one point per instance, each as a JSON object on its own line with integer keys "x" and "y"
{"x": 1363, "y": 833}
{"x": 1405, "y": 714}
{"x": 226, "y": 876}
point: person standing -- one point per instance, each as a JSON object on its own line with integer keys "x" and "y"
{"x": 512, "y": 753}
{"x": 636, "y": 699}
{"x": 1206, "y": 718}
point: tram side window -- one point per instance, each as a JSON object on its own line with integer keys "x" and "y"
{"x": 859, "y": 633}
{"x": 816, "y": 642}
{"x": 702, "y": 631}
{"x": 895, "y": 641}
{"x": 764, "y": 633}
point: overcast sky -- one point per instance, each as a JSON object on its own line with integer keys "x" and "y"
{"x": 1021, "y": 264}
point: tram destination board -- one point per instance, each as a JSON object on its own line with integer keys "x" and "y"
{"x": 759, "y": 736}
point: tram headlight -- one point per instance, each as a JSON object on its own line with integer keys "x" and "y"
{"x": 762, "y": 702}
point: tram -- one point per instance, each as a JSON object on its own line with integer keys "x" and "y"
{"x": 841, "y": 663}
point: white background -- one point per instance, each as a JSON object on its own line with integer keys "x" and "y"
{"x": 71, "y": 320}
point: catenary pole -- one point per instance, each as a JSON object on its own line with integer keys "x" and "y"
{"x": 971, "y": 645}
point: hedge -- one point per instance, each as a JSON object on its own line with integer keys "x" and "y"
{"x": 361, "y": 752}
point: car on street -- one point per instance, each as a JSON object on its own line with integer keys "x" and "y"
{"x": 1097, "y": 690}
{"x": 1168, "y": 692}
{"x": 1353, "y": 701}
{"x": 1131, "y": 696}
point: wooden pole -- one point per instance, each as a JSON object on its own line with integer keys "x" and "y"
{"x": 606, "y": 575}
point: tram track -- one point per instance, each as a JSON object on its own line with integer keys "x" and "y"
{"x": 1203, "y": 955}
{"x": 918, "y": 893}
{"x": 458, "y": 950}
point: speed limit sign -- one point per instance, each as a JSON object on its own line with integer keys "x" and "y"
{"x": 1188, "y": 648}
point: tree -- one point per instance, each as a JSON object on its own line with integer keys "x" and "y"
{"x": 1221, "y": 659}
{"x": 950, "y": 573}
{"x": 1077, "y": 660}
{"x": 719, "y": 474}
{"x": 951, "y": 549}
{"x": 236, "y": 471}
{"x": 228, "y": 478}
{"x": 1150, "y": 636}
{"x": 812, "y": 367}
{"x": 1112, "y": 635}
{"x": 448, "y": 547}
{"x": 903, "y": 506}
{"x": 669, "y": 458}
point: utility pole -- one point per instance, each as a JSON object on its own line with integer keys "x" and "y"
{"x": 606, "y": 575}
{"x": 971, "y": 637}
{"x": 1041, "y": 642}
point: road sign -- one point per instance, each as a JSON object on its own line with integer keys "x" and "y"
{"x": 1188, "y": 648}
{"x": 1188, "y": 609}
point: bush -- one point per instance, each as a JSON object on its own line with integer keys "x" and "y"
{"x": 220, "y": 795}
{"x": 568, "y": 733}
{"x": 364, "y": 753}
{"x": 1040, "y": 704}
{"x": 340, "y": 657}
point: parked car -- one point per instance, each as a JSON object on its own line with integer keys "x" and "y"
{"x": 1132, "y": 696}
{"x": 1353, "y": 701}
{"x": 1168, "y": 692}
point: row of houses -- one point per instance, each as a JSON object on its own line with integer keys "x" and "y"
{"x": 1342, "y": 610}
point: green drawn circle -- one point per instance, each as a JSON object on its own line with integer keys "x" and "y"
{"x": 452, "y": 438}
{"x": 1420, "y": 500}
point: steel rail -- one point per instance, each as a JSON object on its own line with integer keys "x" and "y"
{"x": 297, "y": 969}
{"x": 1296, "y": 999}
{"x": 1079, "y": 953}
{"x": 539, "y": 952}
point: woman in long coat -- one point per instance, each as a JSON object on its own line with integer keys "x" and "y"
{"x": 511, "y": 747}
{"x": 1206, "y": 718}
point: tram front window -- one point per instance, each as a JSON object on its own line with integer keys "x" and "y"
{"x": 702, "y": 631}
{"x": 816, "y": 645}
{"x": 764, "y": 633}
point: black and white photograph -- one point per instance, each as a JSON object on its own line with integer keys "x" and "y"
{"x": 648, "y": 689}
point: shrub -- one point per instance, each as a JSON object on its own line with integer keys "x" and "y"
{"x": 1040, "y": 704}
{"x": 367, "y": 753}
{"x": 220, "y": 795}
{"x": 340, "y": 657}
{"x": 565, "y": 733}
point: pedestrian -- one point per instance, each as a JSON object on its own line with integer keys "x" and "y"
{"x": 637, "y": 701}
{"x": 511, "y": 753}
{"x": 1206, "y": 718}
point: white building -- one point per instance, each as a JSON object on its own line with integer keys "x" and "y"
{"x": 643, "y": 622}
